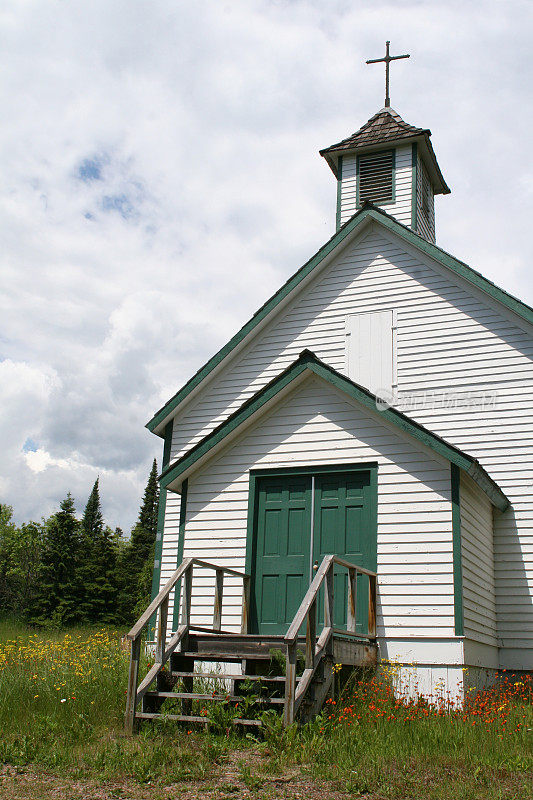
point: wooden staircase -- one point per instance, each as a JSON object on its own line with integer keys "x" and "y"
{"x": 188, "y": 675}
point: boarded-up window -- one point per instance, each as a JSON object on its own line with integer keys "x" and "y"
{"x": 371, "y": 351}
{"x": 376, "y": 177}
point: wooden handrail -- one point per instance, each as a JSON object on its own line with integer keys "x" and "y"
{"x": 314, "y": 588}
{"x": 307, "y": 612}
{"x": 160, "y": 604}
{"x": 156, "y": 602}
{"x": 169, "y": 585}
{"x": 310, "y": 595}
{"x": 342, "y": 563}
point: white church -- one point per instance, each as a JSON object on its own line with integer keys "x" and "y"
{"x": 376, "y": 408}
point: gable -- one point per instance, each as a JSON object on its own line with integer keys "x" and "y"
{"x": 289, "y": 293}
{"x": 445, "y": 337}
{"x": 307, "y": 365}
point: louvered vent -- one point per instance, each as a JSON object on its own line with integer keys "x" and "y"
{"x": 376, "y": 177}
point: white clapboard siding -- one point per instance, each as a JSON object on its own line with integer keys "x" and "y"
{"x": 449, "y": 340}
{"x": 425, "y": 222}
{"x": 169, "y": 555}
{"x": 403, "y": 180}
{"x": 477, "y": 552}
{"x": 415, "y": 554}
{"x": 348, "y": 189}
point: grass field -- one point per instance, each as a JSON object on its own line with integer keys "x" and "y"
{"x": 61, "y": 713}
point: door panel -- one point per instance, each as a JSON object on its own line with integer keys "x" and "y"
{"x": 283, "y": 540}
{"x": 343, "y": 526}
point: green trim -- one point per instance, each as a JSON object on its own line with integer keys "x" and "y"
{"x": 307, "y": 361}
{"x": 250, "y": 543}
{"x": 339, "y": 195}
{"x": 181, "y": 544}
{"x": 321, "y": 469}
{"x": 161, "y": 508}
{"x": 372, "y": 153}
{"x": 414, "y": 186}
{"x": 519, "y": 308}
{"x": 232, "y": 423}
{"x": 168, "y": 443}
{"x": 318, "y": 469}
{"x": 457, "y": 560}
{"x": 368, "y": 211}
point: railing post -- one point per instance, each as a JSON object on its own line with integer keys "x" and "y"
{"x": 245, "y": 622}
{"x": 328, "y": 597}
{"x": 217, "y": 611}
{"x": 310, "y": 637}
{"x": 372, "y": 605}
{"x": 328, "y": 605}
{"x": 187, "y": 592}
{"x": 161, "y": 631}
{"x": 351, "y": 615}
{"x": 131, "y": 700}
{"x": 290, "y": 684}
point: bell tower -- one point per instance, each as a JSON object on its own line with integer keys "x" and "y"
{"x": 391, "y": 164}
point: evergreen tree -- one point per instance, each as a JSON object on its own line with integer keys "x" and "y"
{"x": 97, "y": 563}
{"x": 92, "y": 522}
{"x": 144, "y": 533}
{"x": 58, "y": 587}
{"x": 135, "y": 564}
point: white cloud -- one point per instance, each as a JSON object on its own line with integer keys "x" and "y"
{"x": 161, "y": 179}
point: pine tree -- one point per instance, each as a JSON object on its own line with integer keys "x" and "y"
{"x": 144, "y": 533}
{"x": 135, "y": 564}
{"x": 97, "y": 563}
{"x": 58, "y": 588}
{"x": 92, "y": 522}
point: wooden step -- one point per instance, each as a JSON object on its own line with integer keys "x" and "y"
{"x": 228, "y": 676}
{"x": 220, "y": 655}
{"x": 238, "y": 644}
{"x": 232, "y": 698}
{"x": 191, "y": 718}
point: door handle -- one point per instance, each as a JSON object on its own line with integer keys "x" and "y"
{"x": 315, "y": 566}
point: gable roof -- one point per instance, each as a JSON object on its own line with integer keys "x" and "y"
{"x": 368, "y": 211}
{"x": 387, "y": 127}
{"x": 309, "y": 362}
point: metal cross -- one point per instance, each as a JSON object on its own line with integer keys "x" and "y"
{"x": 388, "y": 58}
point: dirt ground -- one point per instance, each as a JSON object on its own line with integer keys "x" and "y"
{"x": 225, "y": 783}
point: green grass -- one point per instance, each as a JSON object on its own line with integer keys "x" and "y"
{"x": 62, "y": 697}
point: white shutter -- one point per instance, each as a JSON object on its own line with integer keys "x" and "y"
{"x": 370, "y": 350}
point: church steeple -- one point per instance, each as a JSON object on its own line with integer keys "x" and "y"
{"x": 391, "y": 164}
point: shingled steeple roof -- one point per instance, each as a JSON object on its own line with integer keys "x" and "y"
{"x": 386, "y": 127}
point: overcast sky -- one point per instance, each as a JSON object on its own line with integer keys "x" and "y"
{"x": 160, "y": 179}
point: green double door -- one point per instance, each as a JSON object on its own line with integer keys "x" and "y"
{"x": 300, "y": 519}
